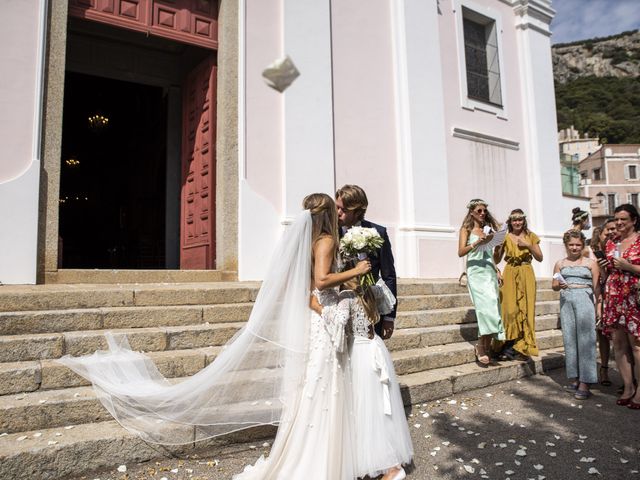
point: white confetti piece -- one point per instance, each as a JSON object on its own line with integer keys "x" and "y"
{"x": 511, "y": 440}
{"x": 469, "y": 469}
{"x": 551, "y": 415}
{"x": 175, "y": 470}
{"x": 488, "y": 394}
{"x": 509, "y": 472}
{"x": 552, "y": 454}
{"x": 454, "y": 424}
{"x": 459, "y": 460}
{"x": 433, "y": 454}
{"x": 265, "y": 444}
{"x": 521, "y": 453}
{"x": 252, "y": 447}
{"x": 51, "y": 442}
{"x": 446, "y": 444}
{"x": 538, "y": 467}
{"x": 517, "y": 462}
{"x": 425, "y": 415}
{"x": 475, "y": 460}
{"x": 499, "y": 464}
{"x": 21, "y": 438}
{"x": 503, "y": 445}
{"x": 577, "y": 450}
{"x": 482, "y": 445}
{"x": 550, "y": 444}
{"x": 530, "y": 441}
{"x": 452, "y": 402}
{"x": 582, "y": 437}
{"x": 557, "y": 437}
{"x": 37, "y": 434}
{"x": 69, "y": 427}
{"x": 122, "y": 468}
{"x": 417, "y": 425}
{"x": 624, "y": 460}
{"x": 42, "y": 401}
{"x": 587, "y": 459}
{"x": 593, "y": 471}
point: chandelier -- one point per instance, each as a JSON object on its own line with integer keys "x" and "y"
{"x": 98, "y": 122}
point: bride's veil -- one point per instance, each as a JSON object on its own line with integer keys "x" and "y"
{"x": 256, "y": 375}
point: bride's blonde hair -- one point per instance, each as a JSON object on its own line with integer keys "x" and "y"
{"x": 324, "y": 218}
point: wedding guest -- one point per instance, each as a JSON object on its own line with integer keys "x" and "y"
{"x": 482, "y": 276}
{"x": 579, "y": 222}
{"x": 600, "y": 236}
{"x": 518, "y": 290}
{"x": 380, "y": 428}
{"x": 578, "y": 284}
{"x": 352, "y": 203}
{"x": 621, "y": 316}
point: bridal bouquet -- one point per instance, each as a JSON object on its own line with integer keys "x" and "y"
{"x": 357, "y": 244}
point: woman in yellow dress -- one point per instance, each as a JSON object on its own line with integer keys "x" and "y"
{"x": 520, "y": 247}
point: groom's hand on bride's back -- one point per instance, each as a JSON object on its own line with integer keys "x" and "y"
{"x": 314, "y": 304}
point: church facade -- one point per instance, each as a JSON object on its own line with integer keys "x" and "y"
{"x": 142, "y": 134}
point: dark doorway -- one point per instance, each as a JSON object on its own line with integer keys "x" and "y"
{"x": 113, "y": 169}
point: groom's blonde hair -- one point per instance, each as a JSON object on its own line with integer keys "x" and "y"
{"x": 354, "y": 199}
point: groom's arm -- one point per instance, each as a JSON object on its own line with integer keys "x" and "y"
{"x": 388, "y": 275}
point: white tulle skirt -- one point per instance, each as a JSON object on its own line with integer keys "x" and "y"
{"x": 381, "y": 433}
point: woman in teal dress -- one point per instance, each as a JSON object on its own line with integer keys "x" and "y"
{"x": 482, "y": 276}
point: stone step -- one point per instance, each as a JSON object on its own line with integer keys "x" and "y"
{"x": 91, "y": 446}
{"x": 57, "y": 321}
{"x": 453, "y": 300}
{"x": 48, "y": 297}
{"x": 415, "y": 310}
{"x": 67, "y": 406}
{"x": 19, "y": 348}
{"x": 98, "y": 276}
{"x": 448, "y": 316}
{"x": 14, "y": 298}
{"x": 46, "y": 374}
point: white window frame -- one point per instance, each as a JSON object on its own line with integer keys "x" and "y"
{"x": 466, "y": 102}
{"x": 627, "y": 174}
{"x": 629, "y": 195}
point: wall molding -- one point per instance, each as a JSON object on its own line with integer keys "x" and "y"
{"x": 484, "y": 138}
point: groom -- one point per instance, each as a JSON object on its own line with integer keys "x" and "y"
{"x": 352, "y": 203}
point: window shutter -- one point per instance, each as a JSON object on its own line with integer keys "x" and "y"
{"x": 626, "y": 172}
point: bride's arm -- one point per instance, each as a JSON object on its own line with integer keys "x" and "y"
{"x": 322, "y": 276}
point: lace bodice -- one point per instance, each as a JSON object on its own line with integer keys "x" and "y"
{"x": 358, "y": 323}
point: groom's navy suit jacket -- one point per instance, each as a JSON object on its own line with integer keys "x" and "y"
{"x": 382, "y": 266}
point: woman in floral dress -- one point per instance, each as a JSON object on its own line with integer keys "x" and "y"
{"x": 621, "y": 317}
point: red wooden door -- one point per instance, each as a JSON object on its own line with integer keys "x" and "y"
{"x": 197, "y": 230}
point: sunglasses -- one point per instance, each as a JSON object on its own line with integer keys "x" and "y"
{"x": 481, "y": 210}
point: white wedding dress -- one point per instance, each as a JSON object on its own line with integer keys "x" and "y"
{"x": 314, "y": 440}
{"x": 380, "y": 430}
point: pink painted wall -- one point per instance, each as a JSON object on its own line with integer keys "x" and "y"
{"x": 364, "y": 116}
{"x": 18, "y": 91}
{"x": 483, "y": 170}
{"x": 264, "y": 107}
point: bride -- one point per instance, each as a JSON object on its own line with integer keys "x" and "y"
{"x": 286, "y": 367}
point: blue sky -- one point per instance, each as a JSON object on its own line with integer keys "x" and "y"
{"x": 581, "y": 19}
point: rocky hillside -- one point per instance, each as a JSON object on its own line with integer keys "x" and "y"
{"x": 616, "y": 56}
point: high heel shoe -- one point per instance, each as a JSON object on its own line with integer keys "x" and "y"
{"x": 607, "y": 382}
{"x": 624, "y": 402}
{"x": 399, "y": 475}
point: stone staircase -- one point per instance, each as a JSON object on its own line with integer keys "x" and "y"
{"x": 52, "y": 425}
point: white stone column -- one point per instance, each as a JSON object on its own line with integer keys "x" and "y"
{"x": 422, "y": 157}
{"x": 540, "y": 127}
{"x": 21, "y": 66}
{"x": 308, "y": 103}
